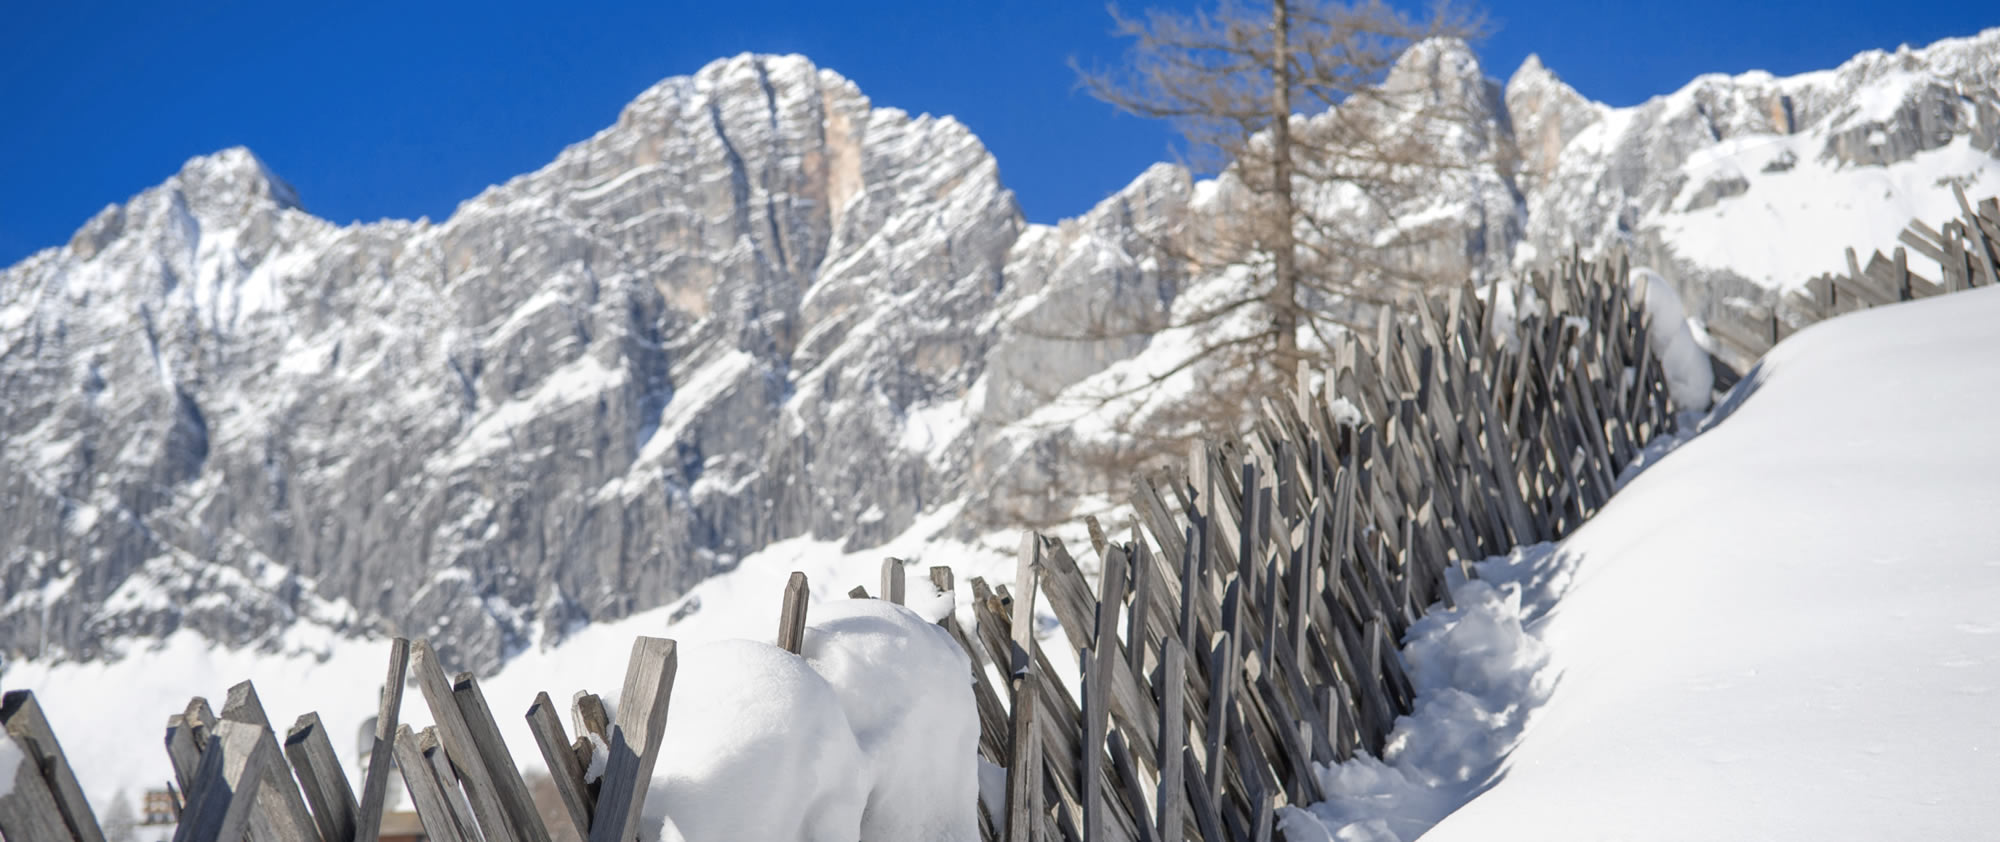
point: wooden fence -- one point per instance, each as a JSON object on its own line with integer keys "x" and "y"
{"x": 1244, "y": 629}
{"x": 1247, "y": 627}
{"x": 1966, "y": 250}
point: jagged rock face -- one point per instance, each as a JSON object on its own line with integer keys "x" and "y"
{"x": 591, "y": 387}
{"x": 756, "y": 307}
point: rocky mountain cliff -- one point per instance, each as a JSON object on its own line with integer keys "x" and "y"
{"x": 756, "y": 307}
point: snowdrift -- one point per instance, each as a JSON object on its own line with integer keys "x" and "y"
{"x": 1789, "y": 627}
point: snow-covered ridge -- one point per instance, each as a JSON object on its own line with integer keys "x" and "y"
{"x": 1750, "y": 183}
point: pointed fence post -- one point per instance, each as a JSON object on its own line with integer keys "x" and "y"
{"x": 635, "y": 740}
{"x": 792, "y": 619}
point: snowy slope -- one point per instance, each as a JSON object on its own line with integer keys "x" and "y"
{"x": 1790, "y": 626}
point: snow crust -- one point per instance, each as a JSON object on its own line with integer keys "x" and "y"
{"x": 1788, "y": 627}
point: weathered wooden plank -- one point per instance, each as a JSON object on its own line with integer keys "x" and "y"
{"x": 1206, "y": 820}
{"x": 635, "y": 740}
{"x": 1138, "y": 629}
{"x": 1024, "y": 780}
{"x": 521, "y": 813}
{"x": 792, "y": 617}
{"x": 1097, "y": 724}
{"x": 381, "y": 757}
{"x": 1222, "y": 671}
{"x": 1982, "y": 247}
{"x": 461, "y": 746}
{"x": 1171, "y": 795}
{"x": 563, "y": 765}
{"x": 280, "y": 814}
{"x": 319, "y": 773}
{"x": 236, "y": 767}
{"x": 1027, "y": 578}
{"x": 564, "y": 769}
{"x": 1925, "y": 247}
{"x": 426, "y": 793}
{"x": 892, "y": 580}
{"x": 181, "y": 751}
{"x": 1134, "y": 821}
{"x": 458, "y": 792}
{"x": 28, "y": 808}
{"x": 30, "y": 730}
{"x": 858, "y": 592}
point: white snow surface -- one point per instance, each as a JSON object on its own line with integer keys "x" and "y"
{"x": 758, "y": 750}
{"x": 1788, "y": 627}
{"x": 906, "y": 688}
{"x": 1690, "y": 380}
{"x": 1479, "y": 672}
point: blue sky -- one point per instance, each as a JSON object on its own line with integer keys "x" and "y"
{"x": 375, "y": 109}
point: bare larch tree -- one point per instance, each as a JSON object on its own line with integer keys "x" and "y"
{"x": 1293, "y": 107}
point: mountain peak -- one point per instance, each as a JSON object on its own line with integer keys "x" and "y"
{"x": 1434, "y": 62}
{"x": 1532, "y": 73}
{"x": 232, "y": 173}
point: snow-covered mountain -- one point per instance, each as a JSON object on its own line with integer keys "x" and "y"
{"x": 756, "y": 308}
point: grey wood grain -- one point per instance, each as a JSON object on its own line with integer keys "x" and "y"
{"x": 29, "y": 728}
{"x": 382, "y": 753}
{"x": 1024, "y": 767}
{"x": 320, "y": 776}
{"x": 235, "y": 769}
{"x": 28, "y": 809}
{"x": 522, "y": 816}
{"x": 546, "y": 724}
{"x": 456, "y": 790}
{"x": 892, "y": 580}
{"x": 460, "y": 746}
{"x": 792, "y": 617}
{"x": 280, "y": 814}
{"x": 181, "y": 751}
{"x": 635, "y": 740}
{"x": 426, "y": 793}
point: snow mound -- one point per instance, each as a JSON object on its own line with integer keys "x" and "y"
{"x": 756, "y": 749}
{"x": 906, "y": 688}
{"x": 1690, "y": 378}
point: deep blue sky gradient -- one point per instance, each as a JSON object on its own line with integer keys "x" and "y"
{"x": 378, "y": 109}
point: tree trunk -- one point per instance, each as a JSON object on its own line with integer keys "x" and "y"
{"x": 1285, "y": 302}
